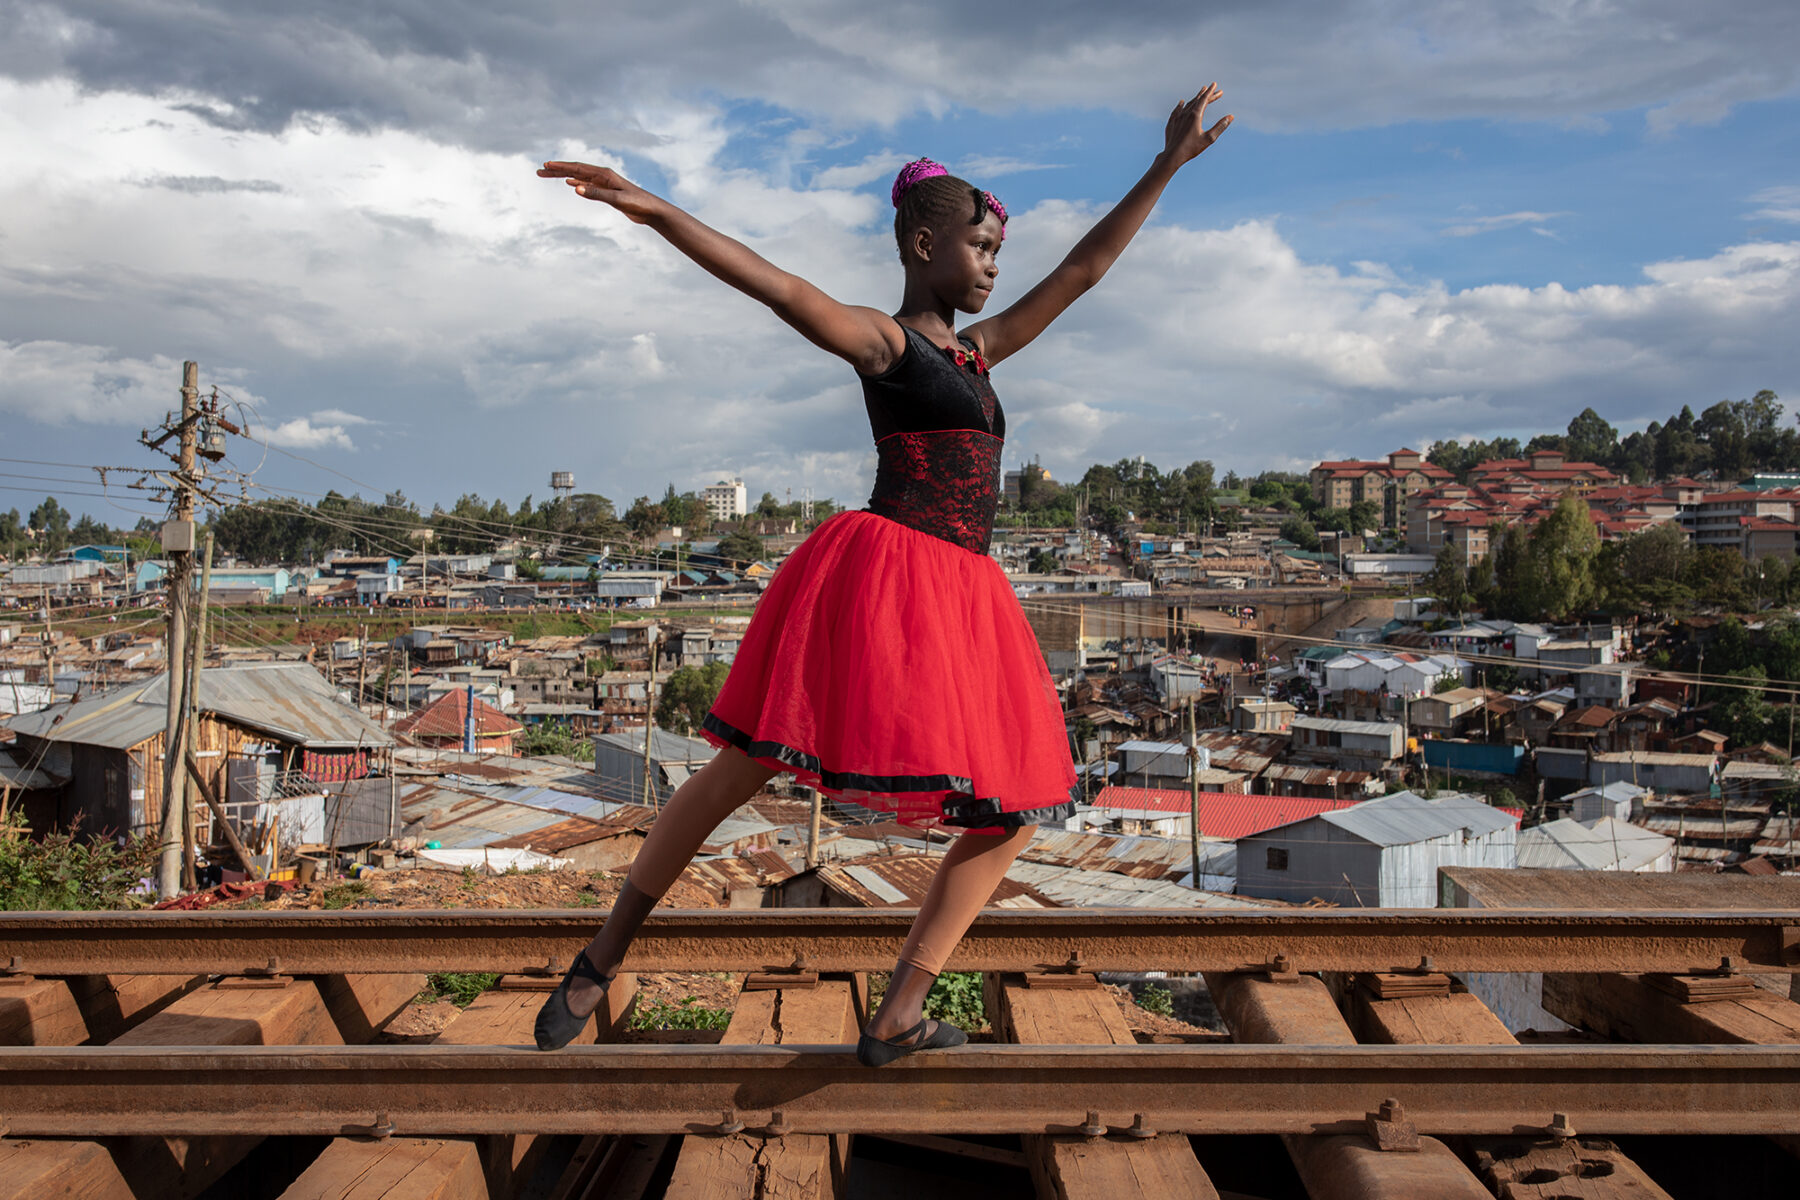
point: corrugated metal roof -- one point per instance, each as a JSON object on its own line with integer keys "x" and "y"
{"x": 1222, "y": 814}
{"x": 1126, "y": 854}
{"x": 901, "y": 881}
{"x": 664, "y": 746}
{"x": 1076, "y": 888}
{"x": 1694, "y": 825}
{"x": 445, "y": 717}
{"x": 1615, "y": 791}
{"x": 1404, "y": 818}
{"x": 1609, "y": 845}
{"x": 290, "y": 701}
{"x": 1332, "y": 725}
{"x": 1655, "y": 758}
{"x": 1316, "y": 776}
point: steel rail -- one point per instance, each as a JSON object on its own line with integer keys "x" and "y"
{"x": 431, "y": 1090}
{"x": 523, "y": 941}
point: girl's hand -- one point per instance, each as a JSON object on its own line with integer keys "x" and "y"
{"x": 608, "y": 186}
{"x": 1186, "y": 134}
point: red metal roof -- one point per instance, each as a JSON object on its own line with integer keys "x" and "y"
{"x": 444, "y": 717}
{"x": 1222, "y": 814}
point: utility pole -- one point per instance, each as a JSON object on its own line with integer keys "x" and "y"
{"x": 196, "y": 663}
{"x": 1193, "y": 757}
{"x": 650, "y": 718}
{"x": 812, "y": 831}
{"x": 178, "y": 544}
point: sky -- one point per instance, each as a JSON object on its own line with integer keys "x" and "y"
{"x": 1430, "y": 219}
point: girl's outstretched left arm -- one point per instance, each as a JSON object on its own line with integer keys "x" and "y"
{"x": 1184, "y": 138}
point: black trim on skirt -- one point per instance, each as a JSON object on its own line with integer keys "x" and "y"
{"x": 962, "y": 808}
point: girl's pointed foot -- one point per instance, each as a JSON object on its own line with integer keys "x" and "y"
{"x": 557, "y": 1024}
{"x": 872, "y": 1051}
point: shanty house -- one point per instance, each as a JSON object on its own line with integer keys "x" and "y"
{"x": 1358, "y": 745}
{"x": 1607, "y": 844}
{"x": 460, "y": 720}
{"x": 619, "y": 759}
{"x": 106, "y": 751}
{"x": 1382, "y": 853}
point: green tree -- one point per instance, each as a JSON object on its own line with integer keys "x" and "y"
{"x": 1591, "y": 439}
{"x": 50, "y": 521}
{"x": 1563, "y": 546}
{"x": 1715, "y": 576}
{"x": 1043, "y": 562}
{"x": 1650, "y": 568}
{"x": 688, "y": 694}
{"x": 738, "y": 550}
{"x": 1300, "y": 531}
{"x": 552, "y": 738}
{"x": 1448, "y": 580}
{"x": 1741, "y": 712}
{"x": 644, "y": 518}
{"x": 1364, "y": 515}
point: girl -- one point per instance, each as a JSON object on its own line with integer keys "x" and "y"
{"x": 889, "y": 661}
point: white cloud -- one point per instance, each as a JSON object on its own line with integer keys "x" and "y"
{"x": 1779, "y": 204}
{"x": 470, "y": 327}
{"x": 60, "y": 383}
{"x": 302, "y": 433}
{"x": 486, "y": 76}
{"x": 1471, "y": 226}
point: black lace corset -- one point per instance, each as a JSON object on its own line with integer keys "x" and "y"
{"x": 938, "y": 432}
{"x": 944, "y": 483}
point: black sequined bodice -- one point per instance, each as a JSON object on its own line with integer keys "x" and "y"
{"x": 938, "y": 433}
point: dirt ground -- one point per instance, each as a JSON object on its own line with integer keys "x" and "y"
{"x": 441, "y": 889}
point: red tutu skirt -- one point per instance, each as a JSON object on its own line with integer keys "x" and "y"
{"x": 897, "y": 670}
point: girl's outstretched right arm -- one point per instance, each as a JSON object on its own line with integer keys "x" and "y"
{"x": 866, "y": 338}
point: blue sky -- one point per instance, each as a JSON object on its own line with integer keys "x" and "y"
{"x": 1429, "y": 221}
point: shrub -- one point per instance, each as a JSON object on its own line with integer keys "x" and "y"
{"x": 460, "y": 988}
{"x": 63, "y": 872}
{"x": 343, "y": 895}
{"x": 956, "y": 997}
{"x": 1157, "y": 1000}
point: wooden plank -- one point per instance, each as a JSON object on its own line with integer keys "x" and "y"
{"x": 1562, "y": 1169}
{"x": 221, "y": 1015}
{"x": 1454, "y": 1019}
{"x": 796, "y": 1167}
{"x": 114, "y": 1003}
{"x": 393, "y": 1169}
{"x": 501, "y": 1016}
{"x": 40, "y": 1012}
{"x": 1629, "y": 1009}
{"x": 1300, "y": 1010}
{"x": 1520, "y": 1168}
{"x": 1074, "y": 1168}
{"x": 36, "y": 1169}
{"x": 361, "y": 1004}
{"x": 165, "y": 1012}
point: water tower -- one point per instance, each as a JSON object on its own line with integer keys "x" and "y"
{"x": 563, "y": 484}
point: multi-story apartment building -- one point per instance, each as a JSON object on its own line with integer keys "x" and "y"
{"x": 1388, "y": 484}
{"x": 725, "y": 499}
{"x": 1548, "y": 468}
{"x": 1754, "y": 524}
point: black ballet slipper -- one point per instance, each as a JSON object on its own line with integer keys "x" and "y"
{"x": 872, "y": 1051}
{"x": 556, "y": 1026}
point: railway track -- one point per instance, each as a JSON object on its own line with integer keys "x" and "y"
{"x": 204, "y": 1054}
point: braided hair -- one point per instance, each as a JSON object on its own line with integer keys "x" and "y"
{"x": 927, "y": 194}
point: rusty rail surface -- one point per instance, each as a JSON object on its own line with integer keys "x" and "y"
{"x": 535, "y": 941}
{"x": 432, "y": 1090}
